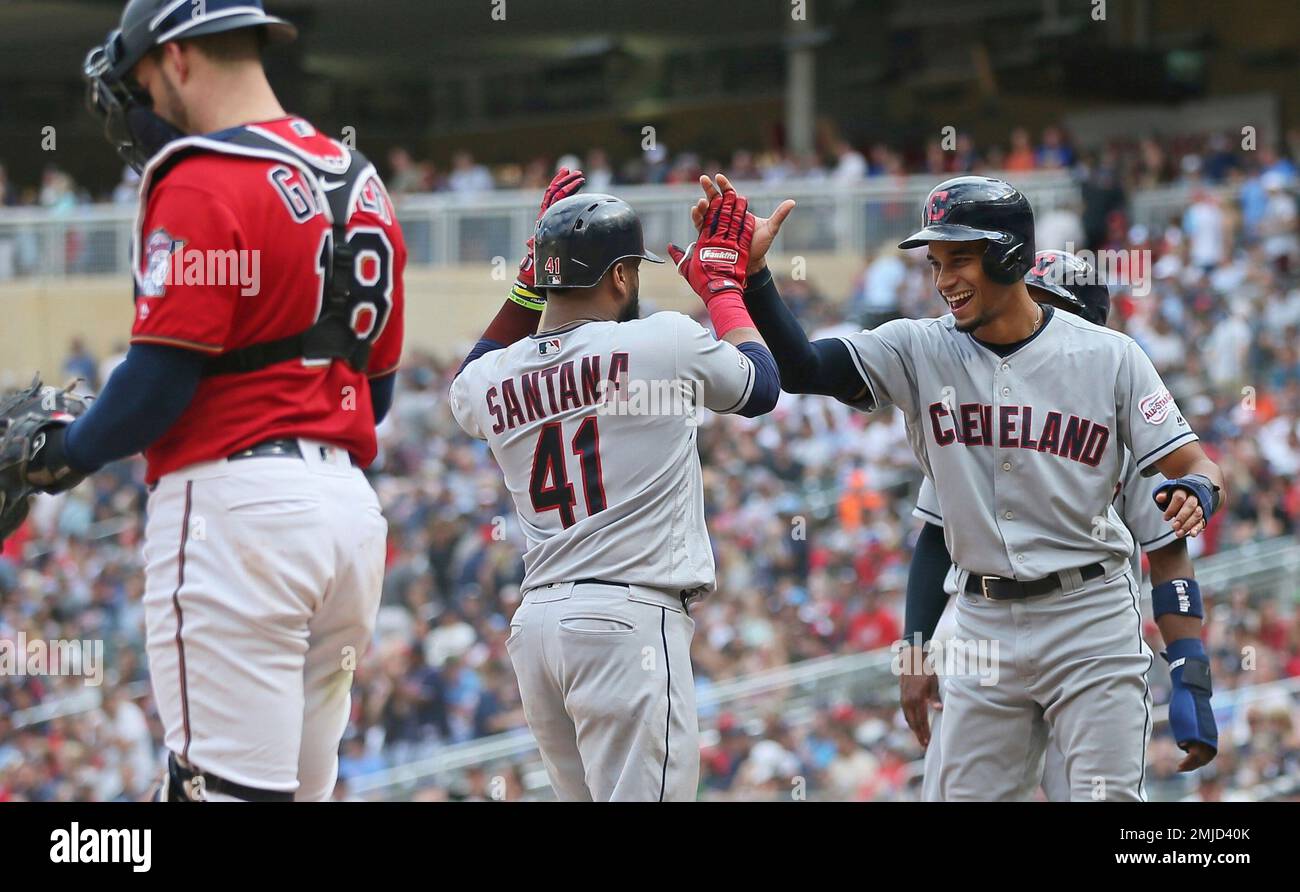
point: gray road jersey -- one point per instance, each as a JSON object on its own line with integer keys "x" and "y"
{"x": 605, "y": 476}
{"x": 1134, "y": 502}
{"x": 1025, "y": 451}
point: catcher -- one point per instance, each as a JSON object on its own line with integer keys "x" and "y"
{"x": 264, "y": 548}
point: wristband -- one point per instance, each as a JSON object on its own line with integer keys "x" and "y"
{"x": 1181, "y": 597}
{"x": 527, "y": 298}
{"x": 728, "y": 312}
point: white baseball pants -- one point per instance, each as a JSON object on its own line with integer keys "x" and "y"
{"x": 262, "y": 585}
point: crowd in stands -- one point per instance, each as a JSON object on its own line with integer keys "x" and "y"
{"x": 1127, "y": 164}
{"x": 809, "y": 512}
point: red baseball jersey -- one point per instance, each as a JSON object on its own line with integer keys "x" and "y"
{"x": 233, "y": 251}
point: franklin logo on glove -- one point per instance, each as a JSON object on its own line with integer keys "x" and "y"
{"x": 719, "y": 255}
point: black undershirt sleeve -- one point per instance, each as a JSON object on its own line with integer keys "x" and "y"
{"x": 822, "y": 366}
{"x": 926, "y": 598}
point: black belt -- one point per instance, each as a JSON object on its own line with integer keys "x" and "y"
{"x": 285, "y": 446}
{"x": 996, "y": 588}
{"x": 684, "y": 595}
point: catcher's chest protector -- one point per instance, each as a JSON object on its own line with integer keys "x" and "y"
{"x": 335, "y": 181}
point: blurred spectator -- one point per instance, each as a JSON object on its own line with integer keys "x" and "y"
{"x": 875, "y": 300}
{"x": 1206, "y": 228}
{"x": 58, "y": 192}
{"x": 1059, "y": 228}
{"x": 404, "y": 176}
{"x": 1277, "y": 225}
{"x": 1054, "y": 153}
{"x": 850, "y": 165}
{"x": 467, "y": 176}
{"x": 1103, "y": 193}
{"x": 127, "y": 190}
{"x": 8, "y": 195}
{"x": 1021, "y": 156}
{"x": 600, "y": 176}
{"x": 80, "y": 364}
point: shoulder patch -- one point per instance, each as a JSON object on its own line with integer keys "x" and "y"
{"x": 159, "y": 246}
{"x": 1155, "y": 407}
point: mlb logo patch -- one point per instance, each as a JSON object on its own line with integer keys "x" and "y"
{"x": 549, "y": 347}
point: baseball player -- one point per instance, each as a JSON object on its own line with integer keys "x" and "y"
{"x": 592, "y": 418}
{"x": 1069, "y": 283}
{"x": 1018, "y": 414}
{"x": 268, "y": 293}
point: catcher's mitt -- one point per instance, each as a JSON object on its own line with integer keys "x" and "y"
{"x": 27, "y": 421}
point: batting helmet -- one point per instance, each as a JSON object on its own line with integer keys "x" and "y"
{"x": 580, "y": 237}
{"x": 129, "y": 122}
{"x": 1072, "y": 279}
{"x": 966, "y": 209}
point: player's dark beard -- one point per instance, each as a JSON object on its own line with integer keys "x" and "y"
{"x": 632, "y": 309}
{"x": 981, "y": 318}
{"x": 978, "y": 322}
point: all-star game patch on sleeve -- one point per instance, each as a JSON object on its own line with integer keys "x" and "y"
{"x": 193, "y": 267}
{"x": 1150, "y": 423}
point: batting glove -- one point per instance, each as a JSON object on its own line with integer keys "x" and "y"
{"x": 717, "y": 261}
{"x": 565, "y": 183}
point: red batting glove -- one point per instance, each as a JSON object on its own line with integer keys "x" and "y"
{"x": 717, "y": 261}
{"x": 715, "y": 264}
{"x": 566, "y": 182}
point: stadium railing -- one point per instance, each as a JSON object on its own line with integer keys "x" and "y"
{"x": 444, "y": 229}
{"x": 448, "y": 229}
{"x": 1269, "y": 569}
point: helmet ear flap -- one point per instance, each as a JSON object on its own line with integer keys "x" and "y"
{"x": 1007, "y": 264}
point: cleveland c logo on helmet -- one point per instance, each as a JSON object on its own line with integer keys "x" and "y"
{"x": 1042, "y": 262}
{"x": 938, "y": 207}
{"x": 975, "y": 208}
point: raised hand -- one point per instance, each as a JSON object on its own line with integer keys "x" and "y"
{"x": 565, "y": 183}
{"x": 718, "y": 260}
{"x": 765, "y": 228}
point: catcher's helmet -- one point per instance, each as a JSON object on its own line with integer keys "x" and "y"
{"x": 1072, "y": 279}
{"x": 129, "y": 124}
{"x": 966, "y": 209}
{"x": 580, "y": 237}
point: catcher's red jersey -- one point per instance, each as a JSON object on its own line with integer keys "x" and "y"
{"x": 233, "y": 251}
